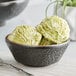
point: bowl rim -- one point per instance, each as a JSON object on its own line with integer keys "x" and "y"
{"x": 13, "y": 1}
{"x": 36, "y": 46}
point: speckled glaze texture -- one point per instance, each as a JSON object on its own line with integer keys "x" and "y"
{"x": 9, "y": 9}
{"x": 37, "y": 56}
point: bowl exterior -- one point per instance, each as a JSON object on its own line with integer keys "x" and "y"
{"x": 11, "y": 10}
{"x": 37, "y": 56}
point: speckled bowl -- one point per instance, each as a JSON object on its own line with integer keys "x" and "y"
{"x": 37, "y": 56}
{"x": 10, "y": 9}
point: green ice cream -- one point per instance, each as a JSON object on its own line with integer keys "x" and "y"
{"x": 26, "y": 35}
{"x": 54, "y": 29}
{"x": 45, "y": 42}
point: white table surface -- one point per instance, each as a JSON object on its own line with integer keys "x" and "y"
{"x": 32, "y": 16}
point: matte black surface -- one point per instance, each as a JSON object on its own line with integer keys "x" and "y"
{"x": 37, "y": 56}
{"x": 11, "y": 10}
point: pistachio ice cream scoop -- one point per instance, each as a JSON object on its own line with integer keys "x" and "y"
{"x": 45, "y": 42}
{"x": 26, "y": 35}
{"x": 54, "y": 29}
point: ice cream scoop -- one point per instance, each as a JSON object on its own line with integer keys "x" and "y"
{"x": 54, "y": 29}
{"x": 45, "y": 42}
{"x": 26, "y": 35}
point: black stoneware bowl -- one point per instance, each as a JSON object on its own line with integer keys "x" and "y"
{"x": 10, "y": 9}
{"x": 37, "y": 56}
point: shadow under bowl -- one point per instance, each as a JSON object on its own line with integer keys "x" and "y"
{"x": 10, "y": 9}
{"x": 37, "y": 56}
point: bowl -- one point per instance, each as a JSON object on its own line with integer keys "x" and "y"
{"x": 10, "y": 9}
{"x": 37, "y": 56}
